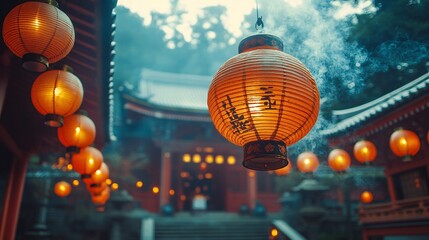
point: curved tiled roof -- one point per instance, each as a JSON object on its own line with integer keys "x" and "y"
{"x": 174, "y": 90}
{"x": 352, "y": 117}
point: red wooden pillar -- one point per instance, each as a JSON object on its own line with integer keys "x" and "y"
{"x": 391, "y": 186}
{"x": 165, "y": 179}
{"x": 13, "y": 197}
{"x": 251, "y": 188}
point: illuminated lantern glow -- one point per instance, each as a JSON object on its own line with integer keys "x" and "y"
{"x": 209, "y": 159}
{"x": 230, "y": 160}
{"x": 101, "y": 174}
{"x": 366, "y": 197}
{"x": 339, "y": 160}
{"x": 186, "y": 158}
{"x": 307, "y": 162}
{"x": 56, "y": 94}
{"x": 264, "y": 100}
{"x": 284, "y": 170}
{"x": 87, "y": 161}
{"x": 77, "y": 132}
{"x": 62, "y": 189}
{"x": 196, "y": 158}
{"x": 364, "y": 151}
{"x": 219, "y": 159}
{"x": 39, "y": 33}
{"x": 404, "y": 143}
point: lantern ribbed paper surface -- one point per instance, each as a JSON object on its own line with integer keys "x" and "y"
{"x": 364, "y": 151}
{"x": 339, "y": 160}
{"x": 77, "y": 132}
{"x": 56, "y": 94}
{"x": 87, "y": 161}
{"x": 263, "y": 99}
{"x": 307, "y": 162}
{"x": 38, "y": 32}
{"x": 404, "y": 143}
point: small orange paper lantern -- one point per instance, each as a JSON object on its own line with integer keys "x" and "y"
{"x": 87, "y": 161}
{"x": 404, "y": 143}
{"x": 96, "y": 189}
{"x": 366, "y": 197}
{"x": 339, "y": 160}
{"x": 263, "y": 99}
{"x": 101, "y": 174}
{"x": 77, "y": 132}
{"x": 39, "y": 33}
{"x": 101, "y": 199}
{"x": 284, "y": 171}
{"x": 56, "y": 94}
{"x": 307, "y": 162}
{"x": 364, "y": 151}
{"x": 62, "y": 189}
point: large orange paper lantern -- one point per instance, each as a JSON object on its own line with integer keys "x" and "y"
{"x": 404, "y": 143}
{"x": 77, "y": 132}
{"x": 263, "y": 99}
{"x": 62, "y": 189}
{"x": 307, "y": 162}
{"x": 364, "y": 151}
{"x": 366, "y": 197}
{"x": 87, "y": 161}
{"x": 39, "y": 33}
{"x": 56, "y": 94}
{"x": 284, "y": 171}
{"x": 339, "y": 160}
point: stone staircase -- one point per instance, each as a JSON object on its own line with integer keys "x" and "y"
{"x": 211, "y": 226}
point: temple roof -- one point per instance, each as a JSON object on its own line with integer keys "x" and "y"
{"x": 174, "y": 90}
{"x": 352, "y": 117}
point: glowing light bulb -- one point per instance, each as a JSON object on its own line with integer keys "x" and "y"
{"x": 77, "y": 130}
{"x": 307, "y": 161}
{"x": 57, "y": 91}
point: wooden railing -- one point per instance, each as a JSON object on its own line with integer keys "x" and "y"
{"x": 405, "y": 210}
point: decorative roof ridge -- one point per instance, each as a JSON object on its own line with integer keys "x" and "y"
{"x": 143, "y": 102}
{"x": 175, "y": 78}
{"x": 357, "y": 109}
{"x": 378, "y": 105}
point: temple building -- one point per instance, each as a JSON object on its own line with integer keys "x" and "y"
{"x": 168, "y": 119}
{"x": 407, "y": 212}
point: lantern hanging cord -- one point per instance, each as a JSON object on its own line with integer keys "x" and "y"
{"x": 259, "y": 25}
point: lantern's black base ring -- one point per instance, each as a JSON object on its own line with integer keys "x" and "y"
{"x": 35, "y": 62}
{"x": 84, "y": 176}
{"x": 54, "y": 120}
{"x": 265, "y": 155}
{"x": 72, "y": 150}
{"x": 95, "y": 185}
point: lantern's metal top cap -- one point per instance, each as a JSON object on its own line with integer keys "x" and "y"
{"x": 260, "y": 41}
